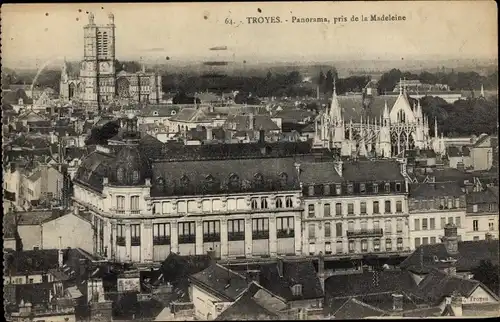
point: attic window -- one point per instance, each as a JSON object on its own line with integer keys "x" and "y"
{"x": 120, "y": 174}
{"x": 155, "y": 113}
{"x": 184, "y": 181}
{"x": 297, "y": 290}
{"x": 234, "y": 181}
{"x": 135, "y": 176}
{"x": 283, "y": 179}
{"x": 398, "y": 187}
{"x": 259, "y": 180}
{"x": 173, "y": 112}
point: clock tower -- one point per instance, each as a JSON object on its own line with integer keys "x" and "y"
{"x": 97, "y": 70}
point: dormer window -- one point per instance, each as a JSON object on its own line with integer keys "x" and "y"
{"x": 375, "y": 188}
{"x": 258, "y": 180}
{"x": 311, "y": 191}
{"x": 283, "y": 179}
{"x": 263, "y": 203}
{"x": 398, "y": 187}
{"x": 135, "y": 176}
{"x": 234, "y": 181}
{"x": 326, "y": 189}
{"x": 338, "y": 189}
{"x": 120, "y": 174}
{"x": 279, "y": 203}
{"x": 209, "y": 182}
{"x": 387, "y": 187}
{"x": 184, "y": 181}
{"x": 349, "y": 188}
{"x": 155, "y": 113}
{"x": 254, "y": 204}
{"x": 173, "y": 112}
{"x": 297, "y": 290}
{"x": 362, "y": 188}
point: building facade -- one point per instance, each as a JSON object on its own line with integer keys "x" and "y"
{"x": 354, "y": 207}
{"x": 431, "y": 207}
{"x": 98, "y": 81}
{"x": 482, "y": 214}
{"x": 369, "y": 127}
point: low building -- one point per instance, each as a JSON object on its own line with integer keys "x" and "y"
{"x": 484, "y": 152}
{"x": 482, "y": 214}
{"x": 431, "y": 207}
{"x": 459, "y": 157}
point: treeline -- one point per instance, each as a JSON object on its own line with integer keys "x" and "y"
{"x": 342, "y": 85}
{"x": 463, "y": 117}
{"x": 456, "y": 81}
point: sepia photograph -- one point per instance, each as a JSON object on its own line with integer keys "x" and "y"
{"x": 238, "y": 161}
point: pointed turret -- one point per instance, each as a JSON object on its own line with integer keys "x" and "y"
{"x": 482, "y": 90}
{"x": 436, "y": 127}
{"x": 335, "y": 111}
{"x": 385, "y": 115}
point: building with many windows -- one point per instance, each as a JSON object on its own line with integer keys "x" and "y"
{"x": 354, "y": 207}
{"x": 482, "y": 214}
{"x": 149, "y": 200}
{"x": 432, "y": 206}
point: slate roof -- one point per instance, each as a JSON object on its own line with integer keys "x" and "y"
{"x": 201, "y": 134}
{"x": 189, "y": 114}
{"x": 352, "y": 107}
{"x": 221, "y": 281}
{"x": 488, "y": 196}
{"x": 30, "y": 218}
{"x": 319, "y": 173}
{"x": 294, "y": 272}
{"x": 455, "y": 151}
{"x": 470, "y": 254}
{"x": 377, "y": 170}
{"x": 294, "y": 115}
{"x": 31, "y": 261}
{"x": 435, "y": 190}
{"x": 356, "y": 309}
{"x": 483, "y": 137}
{"x": 242, "y": 123}
{"x": 159, "y": 110}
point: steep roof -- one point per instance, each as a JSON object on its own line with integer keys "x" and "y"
{"x": 221, "y": 281}
{"x": 319, "y": 173}
{"x": 356, "y": 309}
{"x": 353, "y": 109}
{"x": 242, "y": 123}
{"x": 480, "y": 197}
{"x": 378, "y": 170}
{"x": 438, "y": 189}
{"x": 159, "y": 110}
{"x": 470, "y": 254}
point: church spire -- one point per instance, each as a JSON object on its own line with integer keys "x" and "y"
{"x": 386, "y": 111}
{"x": 482, "y": 90}
{"x": 335, "y": 111}
{"x": 435, "y": 127}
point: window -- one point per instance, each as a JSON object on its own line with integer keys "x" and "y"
{"x": 285, "y": 227}
{"x": 328, "y": 247}
{"x": 254, "y": 203}
{"x": 417, "y": 224}
{"x": 364, "y": 245}
{"x": 474, "y": 208}
{"x": 235, "y": 229}
{"x": 376, "y": 225}
{"x": 161, "y": 234}
{"x": 297, "y": 290}
{"x": 417, "y": 242}
{"x": 338, "y": 209}
{"x": 120, "y": 204}
{"x": 326, "y": 210}
{"x": 338, "y": 229}
{"x": 352, "y": 248}
{"x": 376, "y": 209}
{"x": 475, "y": 225}
{"x": 134, "y": 204}
{"x": 450, "y": 220}
{"x": 340, "y": 247}
{"x": 258, "y": 181}
{"x": 388, "y": 226}
{"x": 450, "y": 203}
{"x": 263, "y": 203}
{"x": 362, "y": 188}
{"x": 211, "y": 231}
{"x": 326, "y": 189}
{"x": 187, "y": 232}
{"x": 349, "y": 188}
{"x": 432, "y": 223}
{"x": 184, "y": 182}
{"x": 328, "y": 230}
{"x": 399, "y": 225}
{"x": 135, "y": 235}
{"x": 30, "y": 281}
{"x": 350, "y": 226}
{"x": 433, "y": 240}
{"x": 375, "y": 188}
{"x": 476, "y": 238}
{"x": 288, "y": 202}
{"x": 260, "y": 228}
{"x": 387, "y": 207}
{"x": 310, "y": 191}
{"x": 400, "y": 243}
{"x": 234, "y": 182}
{"x": 283, "y": 179}
{"x": 120, "y": 235}
{"x": 312, "y": 231}
{"x": 362, "y": 207}
{"x": 491, "y": 225}
{"x": 279, "y": 203}
{"x": 364, "y": 225}
{"x": 135, "y": 176}
{"x": 387, "y": 187}
{"x": 310, "y": 211}
{"x": 376, "y": 244}
{"x": 424, "y": 224}
{"x": 398, "y": 187}
{"x": 338, "y": 189}
{"x": 350, "y": 209}
{"x": 458, "y": 222}
{"x": 457, "y": 202}
{"x": 443, "y": 222}
{"x": 425, "y": 241}
{"x": 399, "y": 206}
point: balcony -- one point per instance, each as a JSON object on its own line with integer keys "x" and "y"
{"x": 363, "y": 233}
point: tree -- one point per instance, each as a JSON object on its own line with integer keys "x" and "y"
{"x": 389, "y": 80}
{"x": 183, "y": 98}
{"x": 488, "y": 273}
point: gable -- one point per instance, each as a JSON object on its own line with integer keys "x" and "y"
{"x": 401, "y": 104}
{"x": 480, "y": 295}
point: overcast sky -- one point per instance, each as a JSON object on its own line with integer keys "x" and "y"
{"x": 33, "y": 32}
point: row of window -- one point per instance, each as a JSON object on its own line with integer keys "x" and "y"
{"x": 354, "y": 188}
{"x": 424, "y": 241}
{"x": 134, "y": 204}
{"x": 430, "y": 223}
{"x": 278, "y": 203}
{"x": 211, "y": 231}
{"x": 364, "y": 245}
{"x": 327, "y": 211}
{"x": 339, "y": 232}
{"x": 438, "y": 203}
{"x": 489, "y": 207}
{"x": 475, "y": 225}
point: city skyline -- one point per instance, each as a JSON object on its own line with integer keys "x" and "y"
{"x": 432, "y": 30}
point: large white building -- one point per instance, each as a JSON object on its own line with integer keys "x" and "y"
{"x": 371, "y": 125}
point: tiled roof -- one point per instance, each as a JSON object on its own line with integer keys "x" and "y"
{"x": 319, "y": 173}
{"x": 356, "y": 309}
{"x": 159, "y": 110}
{"x": 176, "y": 267}
{"x": 221, "y": 281}
{"x": 470, "y": 254}
{"x": 480, "y": 197}
{"x": 438, "y": 189}
{"x": 242, "y": 123}
{"x": 379, "y": 170}
{"x": 294, "y": 115}
{"x": 294, "y": 272}
{"x": 352, "y": 107}
{"x": 37, "y": 217}
{"x": 369, "y": 283}
{"x": 31, "y": 261}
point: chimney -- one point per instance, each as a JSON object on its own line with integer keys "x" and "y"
{"x": 397, "y": 302}
{"x": 279, "y": 266}
{"x": 60, "y": 253}
{"x": 456, "y": 304}
{"x": 209, "y": 134}
{"x": 105, "y": 181}
{"x": 321, "y": 270}
{"x": 253, "y": 275}
{"x": 251, "y": 121}
{"x": 469, "y": 187}
{"x": 262, "y": 136}
{"x": 450, "y": 239}
{"x": 76, "y": 210}
{"x": 211, "y": 256}
{"x": 338, "y": 165}
{"x": 488, "y": 237}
